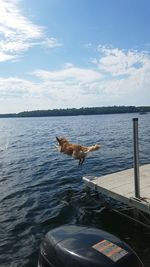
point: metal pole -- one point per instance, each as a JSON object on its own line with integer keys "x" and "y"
{"x": 136, "y": 158}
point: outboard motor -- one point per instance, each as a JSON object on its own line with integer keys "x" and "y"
{"x": 80, "y": 246}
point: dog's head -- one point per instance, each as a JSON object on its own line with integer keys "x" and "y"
{"x": 61, "y": 140}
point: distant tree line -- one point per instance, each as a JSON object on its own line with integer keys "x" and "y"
{"x": 79, "y": 111}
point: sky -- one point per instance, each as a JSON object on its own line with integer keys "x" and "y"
{"x": 73, "y": 54}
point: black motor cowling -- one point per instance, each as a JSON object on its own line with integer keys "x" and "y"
{"x": 80, "y": 246}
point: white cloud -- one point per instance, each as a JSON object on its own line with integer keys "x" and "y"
{"x": 14, "y": 23}
{"x": 119, "y": 78}
{"x": 70, "y": 73}
{"x": 51, "y": 42}
{"x": 68, "y": 65}
{"x": 62, "y": 88}
{"x": 120, "y": 62}
{"x": 18, "y": 33}
{"x": 5, "y": 57}
{"x": 14, "y": 86}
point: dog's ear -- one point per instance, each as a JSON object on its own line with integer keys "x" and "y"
{"x": 57, "y": 139}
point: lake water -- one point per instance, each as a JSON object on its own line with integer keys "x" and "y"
{"x": 41, "y": 188}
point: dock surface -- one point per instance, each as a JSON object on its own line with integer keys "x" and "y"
{"x": 120, "y": 186}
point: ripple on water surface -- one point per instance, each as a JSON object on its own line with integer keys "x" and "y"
{"x": 41, "y": 188}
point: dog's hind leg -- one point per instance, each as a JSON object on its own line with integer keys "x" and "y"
{"x": 81, "y": 160}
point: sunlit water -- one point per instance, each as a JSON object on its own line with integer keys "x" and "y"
{"x": 40, "y": 188}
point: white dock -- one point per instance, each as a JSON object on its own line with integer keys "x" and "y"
{"x": 120, "y": 186}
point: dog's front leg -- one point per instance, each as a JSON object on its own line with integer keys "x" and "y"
{"x": 58, "y": 148}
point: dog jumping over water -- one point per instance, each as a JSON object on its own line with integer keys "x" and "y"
{"x": 75, "y": 150}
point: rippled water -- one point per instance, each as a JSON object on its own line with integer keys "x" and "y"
{"x": 41, "y": 188}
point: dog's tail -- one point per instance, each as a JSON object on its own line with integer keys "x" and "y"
{"x": 93, "y": 148}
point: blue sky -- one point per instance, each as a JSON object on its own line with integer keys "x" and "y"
{"x": 73, "y": 53}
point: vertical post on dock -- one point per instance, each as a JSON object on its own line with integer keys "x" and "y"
{"x": 136, "y": 158}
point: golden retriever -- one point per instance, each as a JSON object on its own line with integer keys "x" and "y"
{"x": 75, "y": 150}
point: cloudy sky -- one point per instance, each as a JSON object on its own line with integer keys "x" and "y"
{"x": 74, "y": 53}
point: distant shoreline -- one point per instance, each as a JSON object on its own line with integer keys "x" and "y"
{"x": 79, "y": 111}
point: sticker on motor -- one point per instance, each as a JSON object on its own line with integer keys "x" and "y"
{"x": 110, "y": 250}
